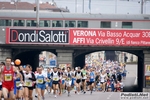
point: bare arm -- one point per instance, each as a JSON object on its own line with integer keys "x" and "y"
{"x": 14, "y": 68}
{"x": 21, "y": 78}
{"x": 1, "y": 69}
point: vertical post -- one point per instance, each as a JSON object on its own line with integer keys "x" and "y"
{"x": 142, "y": 3}
{"x": 115, "y": 6}
{"x": 90, "y": 6}
{"x": 83, "y": 7}
{"x": 75, "y": 6}
{"x": 37, "y": 13}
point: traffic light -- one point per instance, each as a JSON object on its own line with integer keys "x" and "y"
{"x": 34, "y": 8}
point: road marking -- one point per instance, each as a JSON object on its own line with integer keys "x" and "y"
{"x": 110, "y": 95}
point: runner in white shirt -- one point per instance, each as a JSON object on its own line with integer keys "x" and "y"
{"x": 68, "y": 80}
{"x": 55, "y": 77}
{"x": 40, "y": 82}
{"x": 103, "y": 80}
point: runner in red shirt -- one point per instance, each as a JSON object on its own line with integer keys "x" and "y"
{"x": 7, "y": 73}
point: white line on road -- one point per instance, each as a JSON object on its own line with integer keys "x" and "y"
{"x": 110, "y": 95}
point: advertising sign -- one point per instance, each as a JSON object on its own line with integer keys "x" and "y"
{"x": 53, "y": 63}
{"x": 110, "y": 37}
{"x": 86, "y": 36}
{"x": 36, "y": 36}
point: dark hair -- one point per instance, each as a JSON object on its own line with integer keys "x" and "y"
{"x": 8, "y": 58}
{"x": 2, "y": 63}
{"x": 28, "y": 66}
{"x": 68, "y": 68}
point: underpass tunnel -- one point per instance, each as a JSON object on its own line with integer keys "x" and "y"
{"x": 29, "y": 57}
{"x": 79, "y": 61}
{"x": 48, "y": 59}
{"x": 130, "y": 57}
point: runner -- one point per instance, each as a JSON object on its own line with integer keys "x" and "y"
{"x": 84, "y": 79}
{"x": 103, "y": 80}
{"x": 91, "y": 79}
{"x": 40, "y": 83}
{"x": 63, "y": 73}
{"x": 19, "y": 81}
{"x": 68, "y": 80}
{"x": 49, "y": 80}
{"x": 55, "y": 76}
{"x": 28, "y": 83}
{"x": 7, "y": 73}
{"x": 78, "y": 76}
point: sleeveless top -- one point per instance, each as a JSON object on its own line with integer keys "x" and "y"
{"x": 8, "y": 77}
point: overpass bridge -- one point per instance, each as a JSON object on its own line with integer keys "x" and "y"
{"x": 71, "y": 46}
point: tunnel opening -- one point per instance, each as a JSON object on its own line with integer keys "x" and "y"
{"x": 133, "y": 60}
{"x": 47, "y": 59}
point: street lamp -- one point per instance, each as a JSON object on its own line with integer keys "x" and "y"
{"x": 142, "y": 4}
{"x": 37, "y": 13}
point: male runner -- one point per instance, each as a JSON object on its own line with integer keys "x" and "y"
{"x": 7, "y": 74}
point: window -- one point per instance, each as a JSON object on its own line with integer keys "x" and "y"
{"x": 5, "y": 22}
{"x": 44, "y": 23}
{"x": 18, "y": 22}
{"x": 31, "y": 23}
{"x": 70, "y": 24}
{"x": 57, "y": 23}
{"x": 126, "y": 24}
{"x": 82, "y": 23}
{"x": 105, "y": 24}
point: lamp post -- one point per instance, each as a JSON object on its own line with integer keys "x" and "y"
{"x": 142, "y": 4}
{"x": 82, "y": 6}
{"x": 37, "y": 13}
{"x": 75, "y": 6}
{"x": 116, "y": 6}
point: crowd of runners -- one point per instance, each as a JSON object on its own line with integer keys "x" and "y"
{"x": 17, "y": 82}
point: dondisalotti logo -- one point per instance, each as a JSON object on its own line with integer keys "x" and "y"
{"x": 39, "y": 36}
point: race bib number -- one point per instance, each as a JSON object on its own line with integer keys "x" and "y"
{"x": 48, "y": 80}
{"x": 8, "y": 77}
{"x": 67, "y": 84}
{"x": 68, "y": 79}
{"x": 55, "y": 79}
{"x": 78, "y": 77}
{"x": 40, "y": 81}
{"x": 17, "y": 83}
{"x": 92, "y": 77}
{"x": 28, "y": 83}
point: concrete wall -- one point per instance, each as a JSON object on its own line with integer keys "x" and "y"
{"x": 65, "y": 57}
{"x": 4, "y": 53}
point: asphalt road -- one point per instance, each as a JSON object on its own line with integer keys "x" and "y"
{"x": 129, "y": 81}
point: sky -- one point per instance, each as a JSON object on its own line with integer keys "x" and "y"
{"x": 101, "y": 6}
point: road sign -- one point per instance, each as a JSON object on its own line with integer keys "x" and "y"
{"x": 52, "y": 63}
